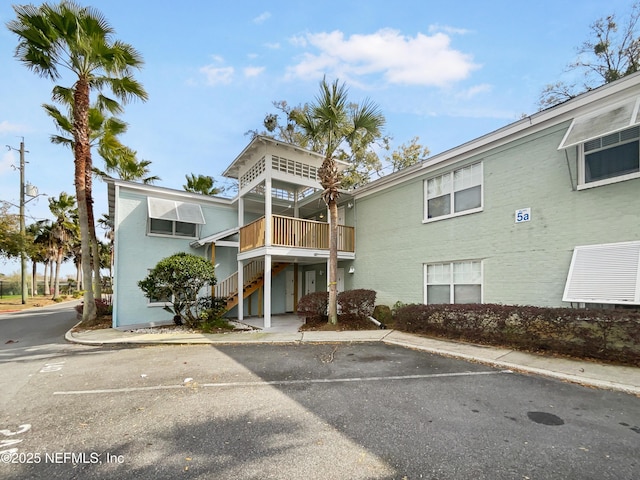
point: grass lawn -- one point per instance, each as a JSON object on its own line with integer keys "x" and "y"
{"x": 14, "y": 302}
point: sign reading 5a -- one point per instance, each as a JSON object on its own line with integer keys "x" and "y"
{"x": 523, "y": 215}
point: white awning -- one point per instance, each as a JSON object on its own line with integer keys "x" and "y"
{"x": 163, "y": 209}
{"x": 216, "y": 237}
{"x": 607, "y": 273}
{"x": 603, "y": 122}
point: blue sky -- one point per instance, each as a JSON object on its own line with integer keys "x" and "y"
{"x": 447, "y": 72}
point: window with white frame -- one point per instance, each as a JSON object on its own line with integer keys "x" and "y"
{"x": 611, "y": 158}
{"x": 174, "y": 218}
{"x": 159, "y": 226}
{"x": 453, "y": 282}
{"x": 455, "y": 193}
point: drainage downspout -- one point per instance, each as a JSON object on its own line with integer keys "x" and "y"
{"x": 380, "y": 325}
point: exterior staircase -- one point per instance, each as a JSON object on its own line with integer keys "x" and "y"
{"x": 253, "y": 274}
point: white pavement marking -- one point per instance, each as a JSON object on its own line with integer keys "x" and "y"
{"x": 279, "y": 382}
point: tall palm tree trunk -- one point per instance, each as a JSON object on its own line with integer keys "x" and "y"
{"x": 34, "y": 279}
{"x": 81, "y": 154}
{"x": 95, "y": 253}
{"x": 47, "y": 286}
{"x": 333, "y": 262}
{"x": 56, "y": 282}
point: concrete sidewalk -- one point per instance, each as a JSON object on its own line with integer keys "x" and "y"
{"x": 593, "y": 374}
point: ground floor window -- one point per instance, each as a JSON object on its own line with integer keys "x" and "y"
{"x": 453, "y": 282}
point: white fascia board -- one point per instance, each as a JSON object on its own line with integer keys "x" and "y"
{"x": 168, "y": 193}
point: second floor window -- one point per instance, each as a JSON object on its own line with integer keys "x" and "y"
{"x": 454, "y": 193}
{"x": 612, "y": 157}
{"x": 173, "y": 228}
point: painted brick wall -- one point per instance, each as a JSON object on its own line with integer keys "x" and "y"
{"x": 523, "y": 263}
{"x": 137, "y": 252}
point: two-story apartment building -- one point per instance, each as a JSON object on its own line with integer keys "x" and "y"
{"x": 545, "y": 211}
{"x": 273, "y": 238}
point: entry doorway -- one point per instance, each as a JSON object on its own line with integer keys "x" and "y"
{"x": 290, "y": 288}
{"x": 309, "y": 282}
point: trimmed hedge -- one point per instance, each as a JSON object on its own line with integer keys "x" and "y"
{"x": 313, "y": 306}
{"x": 356, "y": 304}
{"x": 603, "y": 334}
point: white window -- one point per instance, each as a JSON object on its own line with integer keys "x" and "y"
{"x": 455, "y": 193}
{"x": 179, "y": 219}
{"x": 608, "y": 144}
{"x": 611, "y": 158}
{"x": 453, "y": 282}
{"x": 170, "y": 227}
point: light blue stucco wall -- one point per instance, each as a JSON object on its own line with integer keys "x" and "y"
{"x": 137, "y": 252}
{"x": 524, "y": 263}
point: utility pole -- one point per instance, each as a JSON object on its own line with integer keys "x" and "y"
{"x": 23, "y": 233}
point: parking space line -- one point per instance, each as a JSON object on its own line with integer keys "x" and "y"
{"x": 281, "y": 382}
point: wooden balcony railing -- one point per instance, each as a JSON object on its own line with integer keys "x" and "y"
{"x": 252, "y": 235}
{"x": 295, "y": 232}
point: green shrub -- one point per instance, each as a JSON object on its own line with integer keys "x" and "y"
{"x": 383, "y": 314}
{"x": 211, "y": 308}
{"x": 179, "y": 278}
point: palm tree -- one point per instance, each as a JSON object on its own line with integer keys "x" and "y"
{"x": 203, "y": 184}
{"x": 63, "y": 231}
{"x": 37, "y": 249}
{"x": 106, "y": 224}
{"x": 337, "y": 128}
{"x": 103, "y": 132}
{"x": 67, "y": 35}
{"x": 45, "y": 238}
{"x": 123, "y": 161}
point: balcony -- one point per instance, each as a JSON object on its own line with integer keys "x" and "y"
{"x": 295, "y": 233}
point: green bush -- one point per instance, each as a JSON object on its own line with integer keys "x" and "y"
{"x": 383, "y": 314}
{"x": 211, "y": 308}
{"x": 179, "y": 279}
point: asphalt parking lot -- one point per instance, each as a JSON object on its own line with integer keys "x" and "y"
{"x": 331, "y": 411}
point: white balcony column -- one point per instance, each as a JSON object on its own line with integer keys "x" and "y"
{"x": 240, "y": 263}
{"x": 267, "y": 291}
{"x": 240, "y": 211}
{"x": 296, "y": 207}
{"x": 268, "y": 210}
{"x": 240, "y": 290}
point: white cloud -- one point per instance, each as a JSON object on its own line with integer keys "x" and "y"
{"x": 298, "y": 41}
{"x": 420, "y": 60}
{"x": 448, "y": 29}
{"x": 474, "y": 91}
{"x": 263, "y": 17}
{"x": 6, "y": 161}
{"x": 253, "y": 71}
{"x": 217, "y": 74}
{"x": 6, "y": 127}
{"x": 272, "y": 46}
